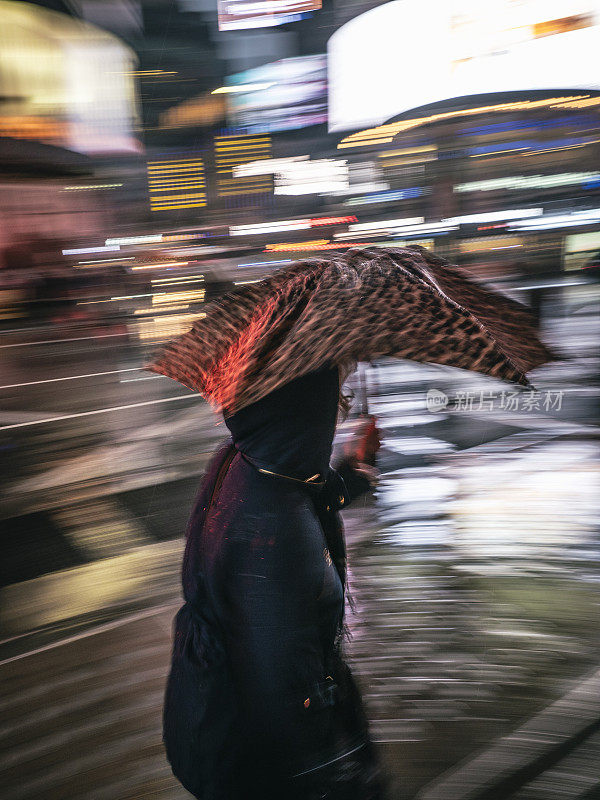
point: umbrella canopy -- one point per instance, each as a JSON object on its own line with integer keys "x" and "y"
{"x": 357, "y": 306}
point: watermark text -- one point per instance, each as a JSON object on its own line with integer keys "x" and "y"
{"x": 505, "y": 400}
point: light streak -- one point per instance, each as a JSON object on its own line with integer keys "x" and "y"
{"x": 383, "y": 134}
{"x": 158, "y": 266}
{"x": 242, "y": 87}
{"x": 109, "y": 247}
{"x": 79, "y": 414}
{"x": 125, "y": 240}
{"x": 71, "y": 378}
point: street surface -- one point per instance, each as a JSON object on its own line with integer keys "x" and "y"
{"x": 474, "y": 569}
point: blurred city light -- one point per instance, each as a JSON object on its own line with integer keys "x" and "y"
{"x": 240, "y": 14}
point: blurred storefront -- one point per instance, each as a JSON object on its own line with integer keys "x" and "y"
{"x": 65, "y": 82}
{"x": 69, "y": 114}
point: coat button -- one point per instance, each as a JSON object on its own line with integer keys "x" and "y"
{"x": 307, "y": 702}
{"x": 341, "y": 499}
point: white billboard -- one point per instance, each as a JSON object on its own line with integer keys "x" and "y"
{"x": 237, "y": 15}
{"x": 409, "y": 53}
{"x": 282, "y": 95}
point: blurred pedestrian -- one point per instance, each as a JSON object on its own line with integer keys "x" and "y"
{"x": 264, "y": 575}
{"x": 259, "y": 702}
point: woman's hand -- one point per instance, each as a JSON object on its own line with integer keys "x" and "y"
{"x": 368, "y": 472}
{"x": 365, "y": 443}
{"x": 362, "y": 448}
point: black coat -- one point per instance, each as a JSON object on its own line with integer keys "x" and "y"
{"x": 265, "y": 561}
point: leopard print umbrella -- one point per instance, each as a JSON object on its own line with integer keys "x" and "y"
{"x": 357, "y": 306}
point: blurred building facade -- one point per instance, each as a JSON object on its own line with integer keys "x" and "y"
{"x": 69, "y": 103}
{"x": 66, "y": 82}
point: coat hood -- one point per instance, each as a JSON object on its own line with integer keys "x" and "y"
{"x": 291, "y": 430}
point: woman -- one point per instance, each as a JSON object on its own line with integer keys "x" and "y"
{"x": 264, "y": 582}
{"x": 259, "y": 702}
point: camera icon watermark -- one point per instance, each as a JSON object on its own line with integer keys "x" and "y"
{"x": 506, "y": 400}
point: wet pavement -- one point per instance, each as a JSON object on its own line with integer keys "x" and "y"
{"x": 465, "y": 627}
{"x": 474, "y": 573}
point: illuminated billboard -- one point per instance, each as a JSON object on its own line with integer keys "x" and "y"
{"x": 409, "y": 53}
{"x": 66, "y": 83}
{"x": 283, "y": 95}
{"x": 239, "y": 14}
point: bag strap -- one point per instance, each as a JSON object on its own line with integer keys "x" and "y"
{"x": 317, "y": 480}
